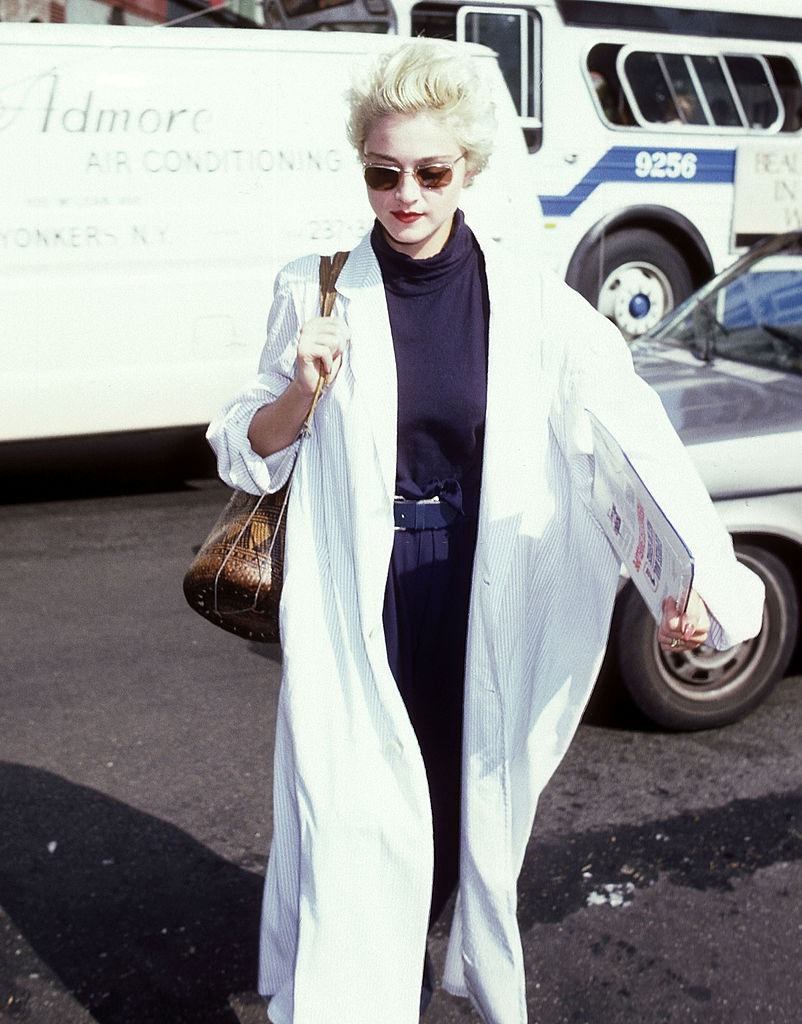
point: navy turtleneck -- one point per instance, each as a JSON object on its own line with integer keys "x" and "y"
{"x": 439, "y": 313}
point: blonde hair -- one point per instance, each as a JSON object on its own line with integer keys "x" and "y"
{"x": 426, "y": 76}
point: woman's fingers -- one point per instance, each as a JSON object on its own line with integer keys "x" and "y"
{"x": 688, "y": 643}
{"x": 683, "y": 631}
{"x": 328, "y": 332}
{"x": 319, "y": 355}
{"x": 320, "y": 349}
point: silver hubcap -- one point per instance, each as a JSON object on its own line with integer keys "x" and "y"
{"x": 635, "y": 296}
{"x": 706, "y": 674}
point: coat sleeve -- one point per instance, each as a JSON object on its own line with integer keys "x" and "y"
{"x": 597, "y": 374}
{"x": 237, "y": 463}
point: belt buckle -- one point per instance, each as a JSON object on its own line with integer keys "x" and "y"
{"x": 414, "y": 505}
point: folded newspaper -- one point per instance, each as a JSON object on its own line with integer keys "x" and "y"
{"x": 652, "y": 551}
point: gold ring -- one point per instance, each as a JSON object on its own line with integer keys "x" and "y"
{"x": 674, "y": 643}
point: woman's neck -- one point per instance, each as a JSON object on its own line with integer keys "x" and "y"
{"x": 426, "y": 248}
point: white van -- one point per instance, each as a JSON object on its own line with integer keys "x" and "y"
{"x": 152, "y": 183}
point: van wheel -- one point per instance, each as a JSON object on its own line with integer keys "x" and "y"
{"x": 703, "y": 689}
{"x": 635, "y": 277}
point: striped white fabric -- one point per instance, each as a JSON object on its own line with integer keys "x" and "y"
{"x": 349, "y": 876}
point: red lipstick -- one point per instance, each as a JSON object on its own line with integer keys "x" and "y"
{"x": 406, "y": 218}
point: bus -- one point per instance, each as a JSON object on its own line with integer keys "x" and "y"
{"x": 665, "y": 138}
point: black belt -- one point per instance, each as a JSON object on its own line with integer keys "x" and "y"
{"x": 428, "y": 514}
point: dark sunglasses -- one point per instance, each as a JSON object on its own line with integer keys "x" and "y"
{"x": 382, "y": 178}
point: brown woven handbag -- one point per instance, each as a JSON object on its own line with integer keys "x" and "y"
{"x": 235, "y": 579}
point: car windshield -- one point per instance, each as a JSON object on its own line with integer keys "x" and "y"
{"x": 753, "y": 316}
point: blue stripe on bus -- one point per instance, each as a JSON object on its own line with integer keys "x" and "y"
{"x": 618, "y": 164}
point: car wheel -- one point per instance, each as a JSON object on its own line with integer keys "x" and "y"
{"x": 635, "y": 277}
{"x": 703, "y": 689}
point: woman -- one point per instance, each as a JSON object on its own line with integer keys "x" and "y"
{"x": 457, "y": 381}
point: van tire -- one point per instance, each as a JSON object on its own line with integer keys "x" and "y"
{"x": 705, "y": 689}
{"x": 634, "y": 276}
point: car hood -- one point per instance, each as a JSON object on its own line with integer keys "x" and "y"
{"x": 743, "y": 423}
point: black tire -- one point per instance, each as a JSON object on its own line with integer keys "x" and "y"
{"x": 705, "y": 689}
{"x": 612, "y": 268}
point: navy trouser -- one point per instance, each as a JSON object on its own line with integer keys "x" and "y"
{"x": 426, "y": 623}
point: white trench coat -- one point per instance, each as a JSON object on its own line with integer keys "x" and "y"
{"x": 350, "y": 871}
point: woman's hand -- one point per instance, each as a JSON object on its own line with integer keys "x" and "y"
{"x": 320, "y": 346}
{"x": 320, "y": 349}
{"x": 684, "y": 632}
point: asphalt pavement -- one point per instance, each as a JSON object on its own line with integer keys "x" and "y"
{"x": 662, "y": 883}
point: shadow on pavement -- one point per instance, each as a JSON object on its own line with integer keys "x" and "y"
{"x": 138, "y": 920}
{"x": 104, "y": 465}
{"x": 704, "y": 849}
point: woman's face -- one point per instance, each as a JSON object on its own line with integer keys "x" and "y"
{"x": 416, "y": 220}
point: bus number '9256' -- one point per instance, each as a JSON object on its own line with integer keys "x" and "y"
{"x": 659, "y": 164}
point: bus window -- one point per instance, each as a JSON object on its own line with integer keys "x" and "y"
{"x": 723, "y": 109}
{"x": 506, "y": 34}
{"x": 758, "y": 99}
{"x": 513, "y": 32}
{"x": 683, "y": 91}
{"x": 789, "y": 89}
{"x": 606, "y": 84}
{"x": 650, "y": 88}
{"x": 735, "y": 91}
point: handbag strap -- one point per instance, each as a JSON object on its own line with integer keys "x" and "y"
{"x": 330, "y": 267}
